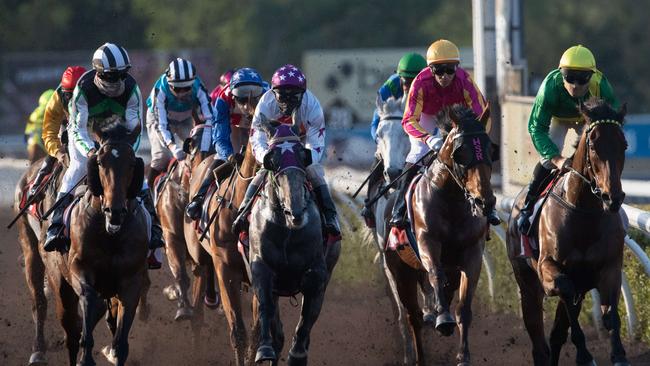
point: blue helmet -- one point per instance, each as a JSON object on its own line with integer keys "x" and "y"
{"x": 246, "y": 82}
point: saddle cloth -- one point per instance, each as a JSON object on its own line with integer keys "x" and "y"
{"x": 403, "y": 241}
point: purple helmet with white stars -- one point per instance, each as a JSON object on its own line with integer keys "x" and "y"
{"x": 288, "y": 75}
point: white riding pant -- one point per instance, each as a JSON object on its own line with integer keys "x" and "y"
{"x": 160, "y": 154}
{"x": 558, "y": 132}
{"x": 418, "y": 147}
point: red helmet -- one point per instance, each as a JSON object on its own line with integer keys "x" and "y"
{"x": 224, "y": 79}
{"x": 70, "y": 77}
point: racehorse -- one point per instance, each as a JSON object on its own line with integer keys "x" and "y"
{"x": 222, "y": 245}
{"x": 449, "y": 207}
{"x": 171, "y": 199}
{"x": 287, "y": 250}
{"x": 581, "y": 238}
{"x": 392, "y": 148}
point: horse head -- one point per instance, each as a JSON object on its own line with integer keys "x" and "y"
{"x": 115, "y": 175}
{"x": 467, "y": 154}
{"x": 287, "y": 160}
{"x": 392, "y": 141}
{"x": 600, "y": 155}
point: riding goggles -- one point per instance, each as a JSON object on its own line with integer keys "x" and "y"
{"x": 180, "y": 89}
{"x": 112, "y": 76}
{"x": 576, "y": 77}
{"x": 441, "y": 69}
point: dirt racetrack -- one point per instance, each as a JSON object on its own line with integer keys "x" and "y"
{"x": 356, "y": 327}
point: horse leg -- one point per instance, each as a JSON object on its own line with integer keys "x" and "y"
{"x": 559, "y": 332}
{"x": 399, "y": 293}
{"x": 313, "y": 289}
{"x": 609, "y": 288}
{"x": 229, "y": 282}
{"x": 128, "y": 295}
{"x": 583, "y": 357}
{"x": 176, "y": 258}
{"x": 277, "y": 331}
{"x": 428, "y": 298}
{"x": 263, "y": 278}
{"x": 407, "y": 287}
{"x": 143, "y": 305}
{"x": 445, "y": 322}
{"x": 469, "y": 275}
{"x": 111, "y": 315}
{"x": 532, "y": 296}
{"x": 66, "y": 301}
{"x": 211, "y": 298}
{"x": 35, "y": 277}
{"x": 196, "y": 301}
{"x": 92, "y": 309}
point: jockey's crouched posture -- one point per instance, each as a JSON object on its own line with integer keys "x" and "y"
{"x": 106, "y": 91}
{"x": 289, "y": 95}
{"x": 235, "y": 105}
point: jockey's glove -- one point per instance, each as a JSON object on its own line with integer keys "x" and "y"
{"x": 178, "y": 153}
{"x": 434, "y": 143}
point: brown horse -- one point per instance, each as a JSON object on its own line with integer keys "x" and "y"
{"x": 449, "y": 204}
{"x": 580, "y": 236}
{"x": 170, "y": 206}
{"x": 222, "y": 246}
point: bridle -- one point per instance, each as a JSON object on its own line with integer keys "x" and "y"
{"x": 592, "y": 180}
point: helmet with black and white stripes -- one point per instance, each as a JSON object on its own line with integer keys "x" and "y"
{"x": 180, "y": 73}
{"x": 111, "y": 58}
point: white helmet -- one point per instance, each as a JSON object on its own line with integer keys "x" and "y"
{"x": 180, "y": 73}
{"x": 111, "y": 58}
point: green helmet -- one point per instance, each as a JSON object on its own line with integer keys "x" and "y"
{"x": 410, "y": 65}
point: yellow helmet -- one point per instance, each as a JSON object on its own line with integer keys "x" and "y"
{"x": 442, "y": 51}
{"x": 578, "y": 57}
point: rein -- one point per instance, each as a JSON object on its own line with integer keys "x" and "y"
{"x": 467, "y": 195}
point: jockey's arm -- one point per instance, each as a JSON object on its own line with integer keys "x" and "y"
{"x": 221, "y": 131}
{"x": 54, "y": 116}
{"x": 133, "y": 116}
{"x": 207, "y": 113}
{"x": 78, "y": 123}
{"x": 539, "y": 124}
{"x": 315, "y": 134}
{"x": 160, "y": 113}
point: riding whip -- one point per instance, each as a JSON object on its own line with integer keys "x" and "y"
{"x": 33, "y": 198}
{"x": 367, "y": 178}
{"x": 58, "y": 202}
{"x": 383, "y": 191}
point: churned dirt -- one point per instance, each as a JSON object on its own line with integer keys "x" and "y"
{"x": 356, "y": 327}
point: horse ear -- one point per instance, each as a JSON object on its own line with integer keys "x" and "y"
{"x": 496, "y": 152}
{"x": 137, "y": 178}
{"x": 485, "y": 116}
{"x": 94, "y": 183}
{"x": 622, "y": 111}
{"x": 453, "y": 117}
{"x": 187, "y": 145}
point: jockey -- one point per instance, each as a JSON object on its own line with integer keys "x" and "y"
{"x": 443, "y": 83}
{"x": 178, "y": 98}
{"x": 224, "y": 81}
{"x": 396, "y": 86}
{"x": 54, "y": 124}
{"x": 34, "y": 126}
{"x": 235, "y": 106}
{"x": 554, "y": 113}
{"x": 289, "y": 96}
{"x": 103, "y": 92}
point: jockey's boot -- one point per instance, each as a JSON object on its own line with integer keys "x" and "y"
{"x": 46, "y": 168}
{"x": 492, "y": 216}
{"x": 398, "y": 218}
{"x": 241, "y": 222}
{"x": 366, "y": 211}
{"x": 156, "y": 240}
{"x": 325, "y": 202}
{"x": 193, "y": 209}
{"x": 151, "y": 177}
{"x": 56, "y": 239}
{"x": 540, "y": 174}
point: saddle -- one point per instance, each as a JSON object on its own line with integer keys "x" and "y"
{"x": 201, "y": 224}
{"x": 161, "y": 179}
{"x": 403, "y": 241}
{"x": 36, "y": 208}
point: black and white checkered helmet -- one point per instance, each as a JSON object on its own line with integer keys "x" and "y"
{"x": 181, "y": 73}
{"x": 111, "y": 58}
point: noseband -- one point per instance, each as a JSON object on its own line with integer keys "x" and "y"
{"x": 592, "y": 180}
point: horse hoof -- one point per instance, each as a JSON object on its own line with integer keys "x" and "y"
{"x": 212, "y": 303}
{"x": 170, "y": 293}
{"x": 184, "y": 313}
{"x": 109, "y": 353}
{"x": 429, "y": 318}
{"x": 265, "y": 353}
{"x": 37, "y": 359}
{"x": 292, "y": 360}
{"x": 463, "y": 364}
{"x": 445, "y": 324}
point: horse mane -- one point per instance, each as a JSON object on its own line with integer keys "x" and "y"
{"x": 458, "y": 114}
{"x": 112, "y": 129}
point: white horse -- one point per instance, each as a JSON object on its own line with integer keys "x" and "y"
{"x": 392, "y": 147}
